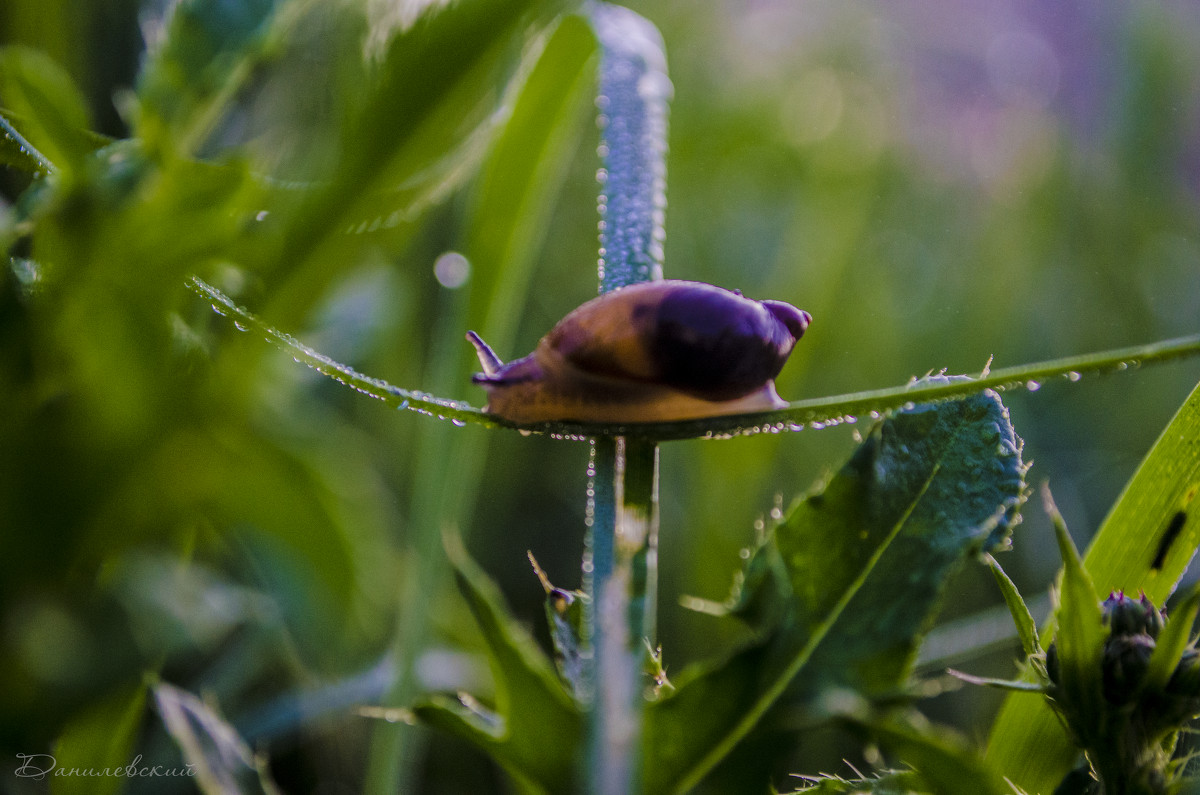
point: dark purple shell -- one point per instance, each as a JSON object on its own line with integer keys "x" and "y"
{"x": 656, "y": 350}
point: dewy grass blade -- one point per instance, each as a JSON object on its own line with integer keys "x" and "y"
{"x": 814, "y": 413}
{"x": 453, "y": 410}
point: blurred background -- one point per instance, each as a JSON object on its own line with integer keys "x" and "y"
{"x": 938, "y": 182}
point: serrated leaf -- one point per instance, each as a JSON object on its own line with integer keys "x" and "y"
{"x": 536, "y": 729}
{"x": 102, "y": 737}
{"x": 891, "y": 782}
{"x": 867, "y": 558}
{"x": 942, "y": 760}
{"x": 1022, "y": 618}
{"x": 1027, "y": 741}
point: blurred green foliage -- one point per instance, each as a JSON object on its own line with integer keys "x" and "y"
{"x": 936, "y": 183}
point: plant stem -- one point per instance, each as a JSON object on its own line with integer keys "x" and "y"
{"x": 622, "y": 584}
{"x": 623, "y": 537}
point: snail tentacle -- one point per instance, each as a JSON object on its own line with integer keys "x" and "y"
{"x": 488, "y": 359}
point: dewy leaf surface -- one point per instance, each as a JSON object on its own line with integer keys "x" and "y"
{"x": 866, "y": 558}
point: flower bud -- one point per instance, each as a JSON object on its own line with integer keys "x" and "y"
{"x": 1124, "y": 664}
{"x": 1126, "y": 616}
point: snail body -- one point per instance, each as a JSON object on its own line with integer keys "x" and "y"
{"x": 650, "y": 352}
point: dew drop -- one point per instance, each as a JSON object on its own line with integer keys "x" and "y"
{"x": 525, "y": 432}
{"x": 1032, "y": 386}
{"x": 1073, "y": 376}
{"x": 458, "y": 423}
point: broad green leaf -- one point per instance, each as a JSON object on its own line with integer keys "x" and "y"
{"x": 1140, "y": 531}
{"x": 36, "y": 88}
{"x": 535, "y": 729}
{"x": 102, "y": 737}
{"x": 867, "y": 557}
{"x": 1026, "y": 627}
{"x": 220, "y": 759}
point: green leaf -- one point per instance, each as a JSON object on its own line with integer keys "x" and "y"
{"x": 1000, "y": 684}
{"x": 891, "y": 782}
{"x": 1027, "y": 740}
{"x": 191, "y": 74}
{"x": 565, "y": 613}
{"x": 1172, "y": 642}
{"x": 103, "y": 736}
{"x": 1026, "y": 627}
{"x": 867, "y": 558}
{"x": 37, "y": 89}
{"x": 1081, "y": 632}
{"x": 451, "y": 70}
{"x": 536, "y": 729}
{"x": 522, "y": 176}
{"x": 221, "y": 760}
{"x": 17, "y": 152}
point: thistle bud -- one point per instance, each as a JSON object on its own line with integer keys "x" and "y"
{"x": 1126, "y": 616}
{"x": 1124, "y": 664}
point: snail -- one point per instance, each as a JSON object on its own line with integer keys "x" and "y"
{"x": 650, "y": 352}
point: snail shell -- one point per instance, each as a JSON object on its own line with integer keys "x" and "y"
{"x": 650, "y": 352}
